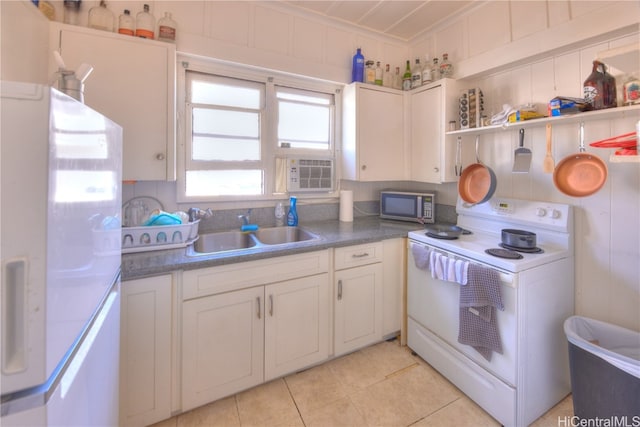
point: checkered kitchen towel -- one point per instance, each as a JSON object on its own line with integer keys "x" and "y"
{"x": 478, "y": 303}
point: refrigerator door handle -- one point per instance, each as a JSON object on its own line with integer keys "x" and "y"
{"x": 14, "y": 303}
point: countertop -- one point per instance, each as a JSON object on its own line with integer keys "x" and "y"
{"x": 332, "y": 233}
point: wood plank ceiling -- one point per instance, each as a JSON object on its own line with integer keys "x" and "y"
{"x": 401, "y": 19}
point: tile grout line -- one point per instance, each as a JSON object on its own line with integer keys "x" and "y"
{"x": 294, "y": 400}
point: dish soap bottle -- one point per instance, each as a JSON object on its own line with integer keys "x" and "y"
{"x": 292, "y": 216}
{"x": 279, "y": 214}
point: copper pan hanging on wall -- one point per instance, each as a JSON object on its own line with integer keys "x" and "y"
{"x": 477, "y": 182}
{"x": 580, "y": 174}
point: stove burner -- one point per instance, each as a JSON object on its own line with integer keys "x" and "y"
{"x": 524, "y": 250}
{"x": 441, "y": 236}
{"x": 503, "y": 253}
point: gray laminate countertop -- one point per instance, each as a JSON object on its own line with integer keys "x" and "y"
{"x": 333, "y": 233}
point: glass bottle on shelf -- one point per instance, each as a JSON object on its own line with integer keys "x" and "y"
{"x": 397, "y": 79}
{"x": 101, "y": 18}
{"x": 145, "y": 24}
{"x": 435, "y": 70}
{"x": 426, "y": 71}
{"x": 446, "y": 68}
{"x": 357, "y": 68}
{"x": 72, "y": 11}
{"x": 369, "y": 73}
{"x": 126, "y": 23}
{"x": 167, "y": 28}
{"x": 406, "y": 77}
{"x": 416, "y": 75}
{"x": 387, "y": 77}
{"x": 379, "y": 74}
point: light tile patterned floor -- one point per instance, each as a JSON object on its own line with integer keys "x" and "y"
{"x": 382, "y": 385}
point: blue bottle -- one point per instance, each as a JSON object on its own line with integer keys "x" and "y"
{"x": 292, "y": 216}
{"x": 357, "y": 70}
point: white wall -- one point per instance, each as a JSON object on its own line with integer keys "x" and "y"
{"x": 24, "y": 43}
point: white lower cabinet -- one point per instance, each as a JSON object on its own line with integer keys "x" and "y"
{"x": 223, "y": 345}
{"x": 358, "y": 297}
{"x": 236, "y": 339}
{"x": 145, "y": 351}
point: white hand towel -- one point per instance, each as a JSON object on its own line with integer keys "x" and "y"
{"x": 439, "y": 270}
{"x": 451, "y": 269}
{"x": 462, "y": 269}
{"x": 432, "y": 263}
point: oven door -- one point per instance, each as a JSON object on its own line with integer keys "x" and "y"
{"x": 434, "y": 304}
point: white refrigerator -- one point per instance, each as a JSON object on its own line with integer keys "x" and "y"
{"x": 60, "y": 215}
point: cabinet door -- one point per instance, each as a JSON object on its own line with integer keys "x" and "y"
{"x": 358, "y": 307}
{"x": 393, "y": 286}
{"x": 296, "y": 324}
{"x": 145, "y": 351}
{"x": 373, "y": 134}
{"x": 132, "y": 83}
{"x": 222, "y": 345}
{"x": 426, "y": 135}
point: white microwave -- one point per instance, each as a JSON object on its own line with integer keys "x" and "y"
{"x": 406, "y": 206}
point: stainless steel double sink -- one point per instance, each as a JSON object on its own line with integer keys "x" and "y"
{"x": 211, "y": 243}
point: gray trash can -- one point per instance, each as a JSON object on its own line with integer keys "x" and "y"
{"x": 604, "y": 361}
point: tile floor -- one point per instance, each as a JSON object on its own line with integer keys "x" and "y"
{"x": 382, "y": 385}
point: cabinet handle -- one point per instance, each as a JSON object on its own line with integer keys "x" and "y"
{"x": 436, "y": 170}
{"x": 160, "y": 156}
{"x": 363, "y": 167}
{"x": 271, "y": 305}
{"x": 339, "y": 290}
{"x": 258, "y": 305}
{"x": 362, "y": 255}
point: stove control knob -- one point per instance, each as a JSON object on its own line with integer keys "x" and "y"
{"x": 541, "y": 211}
{"x": 555, "y": 213}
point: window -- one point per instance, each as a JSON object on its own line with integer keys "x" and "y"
{"x": 238, "y": 130}
{"x": 304, "y": 119}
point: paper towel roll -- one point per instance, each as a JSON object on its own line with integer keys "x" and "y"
{"x": 346, "y": 205}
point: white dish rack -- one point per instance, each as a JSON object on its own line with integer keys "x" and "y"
{"x": 158, "y": 237}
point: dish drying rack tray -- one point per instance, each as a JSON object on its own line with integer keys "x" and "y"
{"x": 158, "y": 237}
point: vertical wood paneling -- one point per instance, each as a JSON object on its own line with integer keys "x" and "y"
{"x": 527, "y": 18}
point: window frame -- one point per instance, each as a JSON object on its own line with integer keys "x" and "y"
{"x": 269, "y": 141}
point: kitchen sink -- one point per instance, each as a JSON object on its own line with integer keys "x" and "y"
{"x": 280, "y": 235}
{"x": 209, "y": 243}
{"x": 223, "y": 241}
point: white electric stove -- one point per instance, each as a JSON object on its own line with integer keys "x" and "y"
{"x": 532, "y": 374}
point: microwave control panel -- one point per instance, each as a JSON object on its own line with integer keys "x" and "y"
{"x": 428, "y": 209}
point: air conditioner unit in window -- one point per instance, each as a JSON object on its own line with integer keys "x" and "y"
{"x": 310, "y": 175}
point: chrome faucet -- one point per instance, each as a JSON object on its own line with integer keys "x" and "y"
{"x": 246, "y": 217}
{"x": 197, "y": 213}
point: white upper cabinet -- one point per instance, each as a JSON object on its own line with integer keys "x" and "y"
{"x": 432, "y": 151}
{"x": 372, "y": 134}
{"x": 132, "y": 83}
